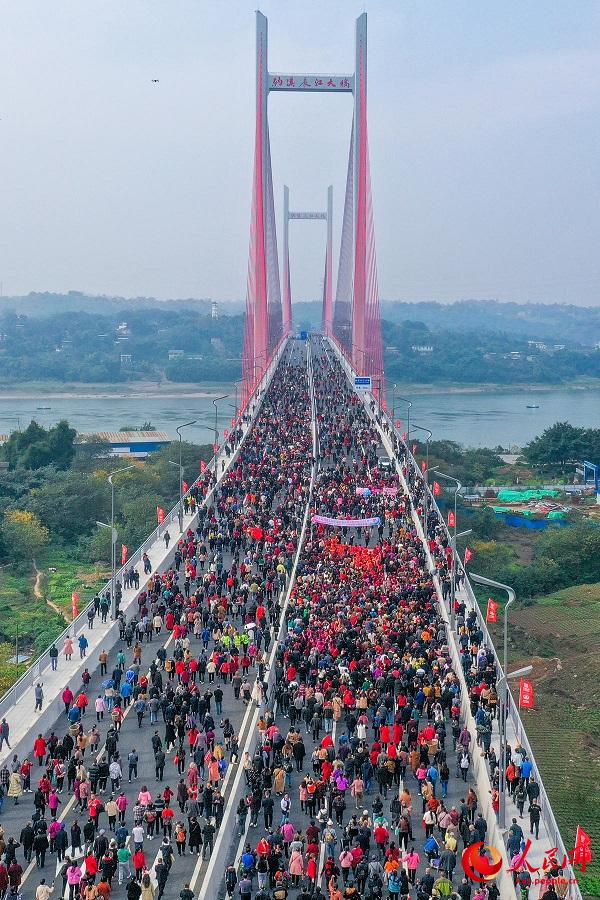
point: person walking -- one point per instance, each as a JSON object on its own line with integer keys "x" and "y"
{"x": 38, "y": 693}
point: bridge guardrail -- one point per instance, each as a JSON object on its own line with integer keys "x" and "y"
{"x": 513, "y": 713}
{"x": 34, "y": 672}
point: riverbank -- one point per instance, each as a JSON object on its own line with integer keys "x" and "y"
{"x": 55, "y": 390}
{"x": 140, "y": 390}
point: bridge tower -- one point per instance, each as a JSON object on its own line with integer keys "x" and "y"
{"x": 355, "y": 322}
{"x": 327, "y": 316}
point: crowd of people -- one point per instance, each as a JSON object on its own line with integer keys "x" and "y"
{"x": 358, "y": 804}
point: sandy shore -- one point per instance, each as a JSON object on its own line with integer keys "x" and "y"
{"x": 143, "y": 390}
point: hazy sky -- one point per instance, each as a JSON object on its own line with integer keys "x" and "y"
{"x": 484, "y": 132}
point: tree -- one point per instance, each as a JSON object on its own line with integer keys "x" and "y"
{"x": 24, "y": 536}
{"x": 556, "y": 447}
{"x": 70, "y": 504}
{"x": 35, "y": 447}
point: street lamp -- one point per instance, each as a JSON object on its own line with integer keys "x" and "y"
{"x": 180, "y": 511}
{"x": 113, "y": 542}
{"x": 425, "y": 510}
{"x": 113, "y": 559}
{"x": 395, "y": 386}
{"x": 404, "y": 400}
{"x": 502, "y": 690}
{"x": 215, "y": 401}
{"x": 453, "y": 541}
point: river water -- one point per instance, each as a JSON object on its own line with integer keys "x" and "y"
{"x": 476, "y": 420}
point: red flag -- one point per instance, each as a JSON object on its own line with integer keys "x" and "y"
{"x": 124, "y": 552}
{"x": 160, "y": 515}
{"x": 526, "y": 693}
{"x": 226, "y": 433}
{"x": 492, "y": 611}
{"x": 185, "y": 486}
{"x": 424, "y": 466}
{"x": 215, "y": 448}
{"x": 74, "y": 602}
{"x": 582, "y": 853}
{"x": 403, "y": 435}
{"x": 436, "y": 489}
{"x": 398, "y": 423}
{"x": 233, "y": 423}
{"x": 202, "y": 466}
{"x": 451, "y": 519}
{"x": 468, "y": 555}
{"x": 415, "y": 448}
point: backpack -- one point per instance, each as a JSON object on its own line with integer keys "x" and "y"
{"x": 329, "y": 836}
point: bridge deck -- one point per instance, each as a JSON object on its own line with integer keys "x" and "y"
{"x": 206, "y": 876}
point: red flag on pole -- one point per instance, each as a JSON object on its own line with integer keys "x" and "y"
{"x": 582, "y": 853}
{"x": 436, "y": 489}
{"x": 233, "y": 423}
{"x": 468, "y": 555}
{"x": 124, "y": 552}
{"x": 160, "y": 515}
{"x": 451, "y": 519}
{"x": 424, "y": 466}
{"x": 398, "y": 423}
{"x": 185, "y": 486}
{"x": 202, "y": 466}
{"x": 215, "y": 448}
{"x": 226, "y": 433}
{"x": 492, "y": 611}
{"x": 526, "y": 693}
{"x": 415, "y": 448}
{"x": 74, "y": 602}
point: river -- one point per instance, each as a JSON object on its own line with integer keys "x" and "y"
{"x": 485, "y": 419}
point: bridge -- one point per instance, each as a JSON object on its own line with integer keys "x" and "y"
{"x": 312, "y": 564}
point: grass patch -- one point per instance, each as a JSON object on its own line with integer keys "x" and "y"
{"x": 560, "y": 636}
{"x": 31, "y": 621}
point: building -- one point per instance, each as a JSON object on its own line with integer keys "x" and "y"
{"x": 214, "y": 310}
{"x": 130, "y": 443}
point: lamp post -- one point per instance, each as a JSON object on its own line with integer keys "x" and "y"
{"x": 215, "y": 401}
{"x": 113, "y": 559}
{"x": 395, "y": 386}
{"x": 404, "y": 400}
{"x": 502, "y": 692}
{"x": 113, "y": 541}
{"x": 425, "y": 510}
{"x": 180, "y": 511}
{"x": 452, "y": 542}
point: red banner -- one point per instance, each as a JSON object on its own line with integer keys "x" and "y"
{"x": 526, "y": 694}
{"x": 415, "y": 448}
{"x": 226, "y": 433}
{"x": 403, "y": 435}
{"x": 468, "y": 555}
{"x": 582, "y": 853}
{"x": 424, "y": 466}
{"x": 202, "y": 466}
{"x": 398, "y": 423}
{"x": 124, "y": 552}
{"x": 160, "y": 515}
{"x": 215, "y": 448}
{"x": 233, "y": 423}
{"x": 492, "y": 611}
{"x": 74, "y": 602}
{"x": 451, "y": 519}
{"x": 436, "y": 489}
{"x": 185, "y": 486}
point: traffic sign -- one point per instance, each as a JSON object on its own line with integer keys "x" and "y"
{"x": 362, "y": 383}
